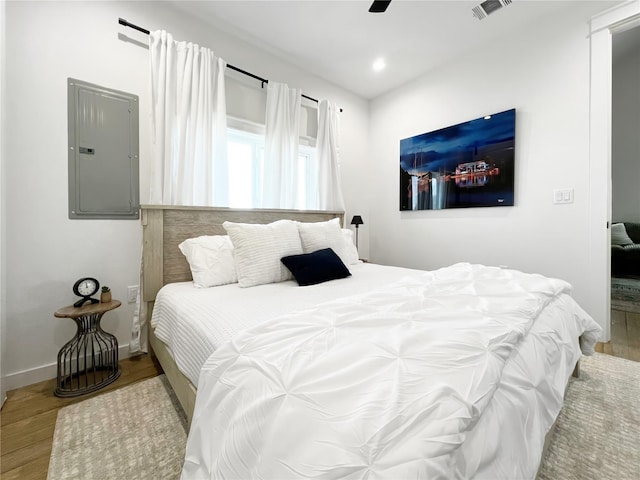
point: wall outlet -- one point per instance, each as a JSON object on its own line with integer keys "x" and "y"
{"x": 132, "y": 293}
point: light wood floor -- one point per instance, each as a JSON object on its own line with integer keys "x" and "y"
{"x": 625, "y": 336}
{"x": 28, "y": 419}
{"x": 29, "y": 414}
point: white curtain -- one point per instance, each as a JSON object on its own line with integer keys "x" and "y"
{"x": 189, "y": 160}
{"x": 329, "y": 188}
{"x": 282, "y": 124}
{"x": 188, "y": 165}
{"x": 139, "y": 342}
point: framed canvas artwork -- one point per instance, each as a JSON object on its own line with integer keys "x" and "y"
{"x": 466, "y": 165}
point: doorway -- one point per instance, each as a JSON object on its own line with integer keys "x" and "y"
{"x": 625, "y": 195}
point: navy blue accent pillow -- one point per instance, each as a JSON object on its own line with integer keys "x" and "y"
{"x": 317, "y": 267}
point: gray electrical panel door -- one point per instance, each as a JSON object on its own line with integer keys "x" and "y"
{"x": 103, "y": 152}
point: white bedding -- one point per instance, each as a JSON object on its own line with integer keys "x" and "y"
{"x": 456, "y": 373}
{"x": 193, "y": 322}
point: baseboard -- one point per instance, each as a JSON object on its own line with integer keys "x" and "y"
{"x": 45, "y": 372}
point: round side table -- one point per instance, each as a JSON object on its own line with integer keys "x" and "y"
{"x": 89, "y": 361}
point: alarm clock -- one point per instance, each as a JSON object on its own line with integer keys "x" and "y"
{"x": 85, "y": 287}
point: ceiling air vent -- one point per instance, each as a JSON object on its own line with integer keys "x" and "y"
{"x": 488, "y": 7}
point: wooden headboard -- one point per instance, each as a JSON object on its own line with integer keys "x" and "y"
{"x": 165, "y": 227}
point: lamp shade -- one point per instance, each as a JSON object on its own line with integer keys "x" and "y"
{"x": 357, "y": 220}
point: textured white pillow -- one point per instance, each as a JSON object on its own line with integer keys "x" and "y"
{"x": 318, "y": 235}
{"x": 210, "y": 259}
{"x": 352, "y": 256}
{"x": 258, "y": 249}
{"x": 619, "y": 235}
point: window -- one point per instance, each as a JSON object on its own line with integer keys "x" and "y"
{"x": 245, "y": 152}
{"x": 307, "y": 198}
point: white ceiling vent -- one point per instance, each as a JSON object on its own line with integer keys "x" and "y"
{"x": 488, "y": 7}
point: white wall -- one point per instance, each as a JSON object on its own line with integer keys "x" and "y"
{"x": 545, "y": 77}
{"x": 47, "y": 42}
{"x": 625, "y": 137}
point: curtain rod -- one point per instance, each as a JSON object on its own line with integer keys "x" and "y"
{"x": 122, "y": 21}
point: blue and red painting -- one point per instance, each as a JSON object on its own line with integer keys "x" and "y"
{"x": 466, "y": 165}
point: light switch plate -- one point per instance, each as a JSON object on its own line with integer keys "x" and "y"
{"x": 563, "y": 195}
{"x": 132, "y": 293}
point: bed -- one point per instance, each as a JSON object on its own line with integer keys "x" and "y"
{"x": 303, "y": 381}
{"x": 164, "y": 228}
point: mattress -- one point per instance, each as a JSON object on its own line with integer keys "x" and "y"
{"x": 512, "y": 400}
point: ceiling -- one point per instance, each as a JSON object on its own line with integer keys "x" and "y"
{"x": 339, "y": 40}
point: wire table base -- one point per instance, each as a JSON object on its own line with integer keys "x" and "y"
{"x": 89, "y": 361}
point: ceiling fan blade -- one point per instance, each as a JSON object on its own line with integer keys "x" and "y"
{"x": 379, "y": 6}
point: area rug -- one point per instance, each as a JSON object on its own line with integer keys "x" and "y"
{"x": 625, "y": 294}
{"x": 597, "y": 434}
{"x": 139, "y": 431}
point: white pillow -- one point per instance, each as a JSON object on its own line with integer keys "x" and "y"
{"x": 318, "y": 235}
{"x": 619, "y": 235}
{"x": 259, "y": 248}
{"x": 352, "y": 256}
{"x": 210, "y": 259}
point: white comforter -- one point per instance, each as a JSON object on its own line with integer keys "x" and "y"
{"x": 193, "y": 322}
{"x": 386, "y": 384}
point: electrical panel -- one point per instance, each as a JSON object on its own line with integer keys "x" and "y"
{"x": 103, "y": 152}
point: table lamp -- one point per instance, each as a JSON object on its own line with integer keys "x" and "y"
{"x": 357, "y": 221}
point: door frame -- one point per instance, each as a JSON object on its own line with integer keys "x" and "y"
{"x": 602, "y": 27}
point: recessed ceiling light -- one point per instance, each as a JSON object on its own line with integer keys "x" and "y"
{"x": 379, "y": 65}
